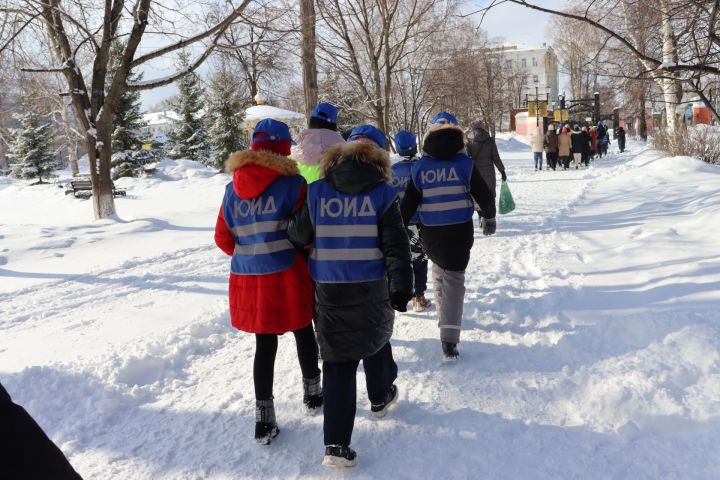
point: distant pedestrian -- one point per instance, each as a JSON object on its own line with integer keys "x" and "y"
{"x": 564, "y": 148}
{"x": 594, "y": 142}
{"x": 620, "y": 135}
{"x": 551, "y": 146}
{"x": 586, "y": 146}
{"x": 360, "y": 262}
{"x": 270, "y": 285}
{"x": 537, "y": 145}
{"x": 579, "y": 144}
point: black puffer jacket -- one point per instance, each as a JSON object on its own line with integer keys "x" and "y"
{"x": 448, "y": 246}
{"x": 354, "y": 320}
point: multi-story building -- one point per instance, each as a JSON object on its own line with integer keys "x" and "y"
{"x": 537, "y": 66}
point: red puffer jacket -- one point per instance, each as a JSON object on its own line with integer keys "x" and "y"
{"x": 278, "y": 302}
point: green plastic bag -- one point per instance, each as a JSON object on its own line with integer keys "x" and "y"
{"x": 506, "y": 202}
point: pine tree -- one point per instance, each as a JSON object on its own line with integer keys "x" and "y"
{"x": 127, "y": 125}
{"x": 32, "y": 147}
{"x": 224, "y": 117}
{"x": 189, "y": 135}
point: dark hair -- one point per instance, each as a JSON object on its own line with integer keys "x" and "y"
{"x": 316, "y": 122}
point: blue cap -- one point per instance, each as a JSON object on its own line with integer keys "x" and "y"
{"x": 373, "y": 133}
{"x": 326, "y": 112}
{"x": 270, "y": 129}
{"x": 444, "y": 118}
{"x": 405, "y": 143}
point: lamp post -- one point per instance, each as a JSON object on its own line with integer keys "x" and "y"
{"x": 537, "y": 99}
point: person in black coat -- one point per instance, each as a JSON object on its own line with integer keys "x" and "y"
{"x": 361, "y": 263}
{"x": 620, "y": 135}
{"x": 25, "y": 451}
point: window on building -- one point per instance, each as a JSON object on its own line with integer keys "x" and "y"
{"x": 508, "y": 63}
{"x": 523, "y": 63}
{"x": 535, "y": 79}
{"x": 524, "y": 80}
{"x": 535, "y": 63}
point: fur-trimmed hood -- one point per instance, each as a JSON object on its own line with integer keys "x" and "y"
{"x": 444, "y": 141}
{"x": 254, "y": 170}
{"x": 355, "y": 167}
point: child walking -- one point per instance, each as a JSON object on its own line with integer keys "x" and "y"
{"x": 442, "y": 187}
{"x": 360, "y": 262}
{"x": 406, "y": 147}
{"x": 270, "y": 286}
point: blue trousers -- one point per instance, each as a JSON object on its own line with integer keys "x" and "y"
{"x": 538, "y": 160}
{"x": 340, "y": 392}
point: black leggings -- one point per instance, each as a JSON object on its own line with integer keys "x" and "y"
{"x": 265, "y": 350}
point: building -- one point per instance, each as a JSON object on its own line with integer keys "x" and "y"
{"x": 538, "y": 66}
{"x": 158, "y": 125}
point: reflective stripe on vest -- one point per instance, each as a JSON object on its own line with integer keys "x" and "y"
{"x": 347, "y": 241}
{"x": 259, "y": 226}
{"x": 401, "y": 178}
{"x": 445, "y": 189}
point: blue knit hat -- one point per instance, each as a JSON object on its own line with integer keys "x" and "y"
{"x": 405, "y": 143}
{"x": 326, "y": 112}
{"x": 369, "y": 131}
{"x": 444, "y": 118}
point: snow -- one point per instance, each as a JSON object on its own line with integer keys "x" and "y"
{"x": 591, "y": 342}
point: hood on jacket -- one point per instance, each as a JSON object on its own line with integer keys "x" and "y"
{"x": 312, "y": 142}
{"x": 355, "y": 167}
{"x": 443, "y": 141}
{"x": 253, "y": 171}
{"x": 480, "y": 135}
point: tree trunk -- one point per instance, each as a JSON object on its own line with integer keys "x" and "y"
{"x": 72, "y": 148}
{"x": 99, "y": 152}
{"x": 307, "y": 49}
{"x": 642, "y": 109}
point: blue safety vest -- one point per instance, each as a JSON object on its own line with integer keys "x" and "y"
{"x": 347, "y": 242}
{"x": 445, "y": 188}
{"x": 400, "y": 179}
{"x": 259, "y": 226}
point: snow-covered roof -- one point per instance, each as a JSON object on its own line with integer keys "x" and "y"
{"x": 160, "y": 118}
{"x": 260, "y": 112}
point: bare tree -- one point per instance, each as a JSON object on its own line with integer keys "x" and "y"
{"x": 365, "y": 41}
{"x": 87, "y": 29}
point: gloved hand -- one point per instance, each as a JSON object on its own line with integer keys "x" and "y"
{"x": 503, "y": 176}
{"x": 399, "y": 301}
{"x": 488, "y": 226}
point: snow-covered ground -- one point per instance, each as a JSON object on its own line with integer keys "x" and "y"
{"x": 591, "y": 342}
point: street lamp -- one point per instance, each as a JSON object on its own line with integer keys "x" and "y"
{"x": 537, "y": 99}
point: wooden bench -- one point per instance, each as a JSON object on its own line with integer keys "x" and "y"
{"x": 83, "y": 189}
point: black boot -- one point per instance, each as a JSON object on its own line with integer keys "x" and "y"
{"x": 450, "y": 351}
{"x": 381, "y": 409}
{"x": 339, "y": 456}
{"x": 265, "y": 425}
{"x": 312, "y": 394}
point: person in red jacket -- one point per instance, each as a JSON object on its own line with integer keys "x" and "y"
{"x": 271, "y": 292}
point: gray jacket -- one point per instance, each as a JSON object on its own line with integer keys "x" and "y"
{"x": 484, "y": 153}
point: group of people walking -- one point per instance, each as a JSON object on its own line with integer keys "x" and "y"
{"x": 328, "y": 240}
{"x": 573, "y": 144}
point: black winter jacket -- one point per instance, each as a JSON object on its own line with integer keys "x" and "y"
{"x": 448, "y": 246}
{"x": 354, "y": 320}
